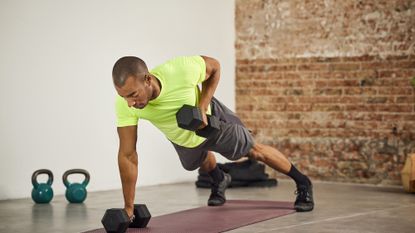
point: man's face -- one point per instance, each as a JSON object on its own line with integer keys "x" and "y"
{"x": 135, "y": 91}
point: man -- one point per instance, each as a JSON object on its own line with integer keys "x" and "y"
{"x": 158, "y": 94}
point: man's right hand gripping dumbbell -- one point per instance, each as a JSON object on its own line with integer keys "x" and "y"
{"x": 190, "y": 118}
{"x": 116, "y": 220}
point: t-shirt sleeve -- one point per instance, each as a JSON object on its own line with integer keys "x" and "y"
{"x": 125, "y": 117}
{"x": 200, "y": 65}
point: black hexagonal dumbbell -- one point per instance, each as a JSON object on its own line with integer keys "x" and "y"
{"x": 117, "y": 221}
{"x": 142, "y": 216}
{"x": 190, "y": 118}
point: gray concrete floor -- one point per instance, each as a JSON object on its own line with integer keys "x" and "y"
{"x": 339, "y": 208}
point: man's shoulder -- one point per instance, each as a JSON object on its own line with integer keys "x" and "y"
{"x": 183, "y": 58}
{"x": 178, "y": 61}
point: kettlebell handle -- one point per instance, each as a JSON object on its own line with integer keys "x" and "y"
{"x": 75, "y": 171}
{"x": 42, "y": 171}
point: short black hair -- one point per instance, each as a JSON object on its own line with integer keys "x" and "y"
{"x": 127, "y": 66}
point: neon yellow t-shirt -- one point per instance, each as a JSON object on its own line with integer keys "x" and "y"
{"x": 179, "y": 78}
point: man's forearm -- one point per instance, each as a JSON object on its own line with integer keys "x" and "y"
{"x": 128, "y": 166}
{"x": 208, "y": 89}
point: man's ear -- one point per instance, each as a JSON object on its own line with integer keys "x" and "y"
{"x": 147, "y": 79}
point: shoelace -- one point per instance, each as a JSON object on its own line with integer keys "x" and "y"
{"x": 217, "y": 187}
{"x": 217, "y": 194}
{"x": 302, "y": 194}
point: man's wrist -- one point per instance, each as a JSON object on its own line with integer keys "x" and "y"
{"x": 203, "y": 107}
{"x": 129, "y": 210}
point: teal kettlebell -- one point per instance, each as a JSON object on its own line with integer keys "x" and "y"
{"x": 76, "y": 192}
{"x": 42, "y": 192}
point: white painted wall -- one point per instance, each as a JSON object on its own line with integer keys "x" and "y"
{"x": 56, "y": 93}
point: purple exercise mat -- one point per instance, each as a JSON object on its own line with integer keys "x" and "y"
{"x": 234, "y": 214}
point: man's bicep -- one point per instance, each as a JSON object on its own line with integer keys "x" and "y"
{"x": 128, "y": 139}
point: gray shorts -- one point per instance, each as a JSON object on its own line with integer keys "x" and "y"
{"x": 233, "y": 140}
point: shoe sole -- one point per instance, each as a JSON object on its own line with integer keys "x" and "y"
{"x": 210, "y": 204}
{"x": 303, "y": 210}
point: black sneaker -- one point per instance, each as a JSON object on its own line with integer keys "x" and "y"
{"x": 217, "y": 195}
{"x": 304, "y": 201}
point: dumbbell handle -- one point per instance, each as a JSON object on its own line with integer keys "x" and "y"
{"x": 211, "y": 128}
{"x": 207, "y": 116}
{"x": 189, "y": 117}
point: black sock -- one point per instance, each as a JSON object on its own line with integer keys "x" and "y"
{"x": 298, "y": 177}
{"x": 216, "y": 174}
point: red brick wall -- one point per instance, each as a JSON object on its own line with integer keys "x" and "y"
{"x": 329, "y": 84}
